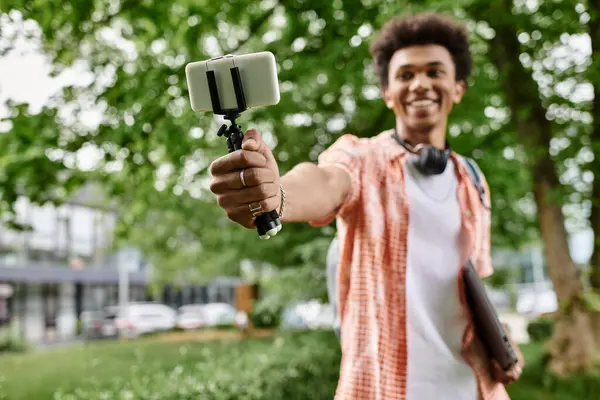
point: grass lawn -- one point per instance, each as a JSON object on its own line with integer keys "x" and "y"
{"x": 38, "y": 375}
{"x": 153, "y": 368}
{"x": 284, "y": 364}
{"x": 535, "y": 384}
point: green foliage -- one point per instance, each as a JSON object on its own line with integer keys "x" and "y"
{"x": 269, "y": 368}
{"x": 266, "y": 314}
{"x": 499, "y": 278}
{"x": 589, "y": 299}
{"x": 149, "y": 129}
{"x": 9, "y": 343}
{"x": 537, "y": 383}
{"x": 541, "y": 329}
{"x": 229, "y": 327}
{"x": 294, "y": 365}
{"x": 155, "y": 151}
{"x": 583, "y": 386}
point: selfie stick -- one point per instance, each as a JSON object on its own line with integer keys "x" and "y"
{"x": 268, "y": 224}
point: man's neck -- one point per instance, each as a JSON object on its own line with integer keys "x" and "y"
{"x": 435, "y": 136}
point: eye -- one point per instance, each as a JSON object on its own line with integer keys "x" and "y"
{"x": 434, "y": 73}
{"x": 405, "y": 75}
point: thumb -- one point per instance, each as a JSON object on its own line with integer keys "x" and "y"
{"x": 253, "y": 141}
{"x": 497, "y": 371}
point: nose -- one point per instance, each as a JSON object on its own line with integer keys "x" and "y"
{"x": 420, "y": 83}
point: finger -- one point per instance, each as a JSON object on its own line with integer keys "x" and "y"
{"x": 517, "y": 371}
{"x": 497, "y": 368}
{"x": 512, "y": 375}
{"x": 253, "y": 140}
{"x": 499, "y": 374}
{"x": 237, "y": 160}
{"x": 243, "y": 215}
{"x": 233, "y": 180}
{"x": 245, "y": 196}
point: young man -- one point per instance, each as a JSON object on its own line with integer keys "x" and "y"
{"x": 405, "y": 225}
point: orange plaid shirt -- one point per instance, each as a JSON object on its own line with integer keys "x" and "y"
{"x": 373, "y": 233}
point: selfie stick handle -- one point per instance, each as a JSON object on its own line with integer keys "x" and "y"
{"x": 268, "y": 224}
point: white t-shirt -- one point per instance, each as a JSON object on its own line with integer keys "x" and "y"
{"x": 435, "y": 319}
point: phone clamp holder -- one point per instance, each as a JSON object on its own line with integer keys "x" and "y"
{"x": 267, "y": 224}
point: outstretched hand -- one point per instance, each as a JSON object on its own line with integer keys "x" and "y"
{"x": 247, "y": 180}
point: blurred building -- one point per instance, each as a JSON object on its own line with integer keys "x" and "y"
{"x": 527, "y": 277}
{"x": 65, "y": 264}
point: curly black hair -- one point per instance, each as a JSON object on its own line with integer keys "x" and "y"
{"x": 421, "y": 29}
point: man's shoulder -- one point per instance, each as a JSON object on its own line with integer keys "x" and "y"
{"x": 472, "y": 168}
{"x": 476, "y": 177}
{"x": 365, "y": 146}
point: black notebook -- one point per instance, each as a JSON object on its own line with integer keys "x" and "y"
{"x": 489, "y": 329}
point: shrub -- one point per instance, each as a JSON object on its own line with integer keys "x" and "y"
{"x": 541, "y": 329}
{"x": 11, "y": 344}
{"x": 225, "y": 326}
{"x": 289, "y": 366}
{"x": 266, "y": 315}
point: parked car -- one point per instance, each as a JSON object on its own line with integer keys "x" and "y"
{"x": 137, "y": 319}
{"x": 219, "y": 314}
{"x": 292, "y": 319}
{"x": 324, "y": 319}
{"x": 308, "y": 315}
{"x": 194, "y": 316}
{"x": 190, "y": 317}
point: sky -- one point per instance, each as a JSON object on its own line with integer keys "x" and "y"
{"x": 24, "y": 77}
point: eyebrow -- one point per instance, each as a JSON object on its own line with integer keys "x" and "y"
{"x": 431, "y": 64}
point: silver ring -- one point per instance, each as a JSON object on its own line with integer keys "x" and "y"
{"x": 256, "y": 211}
{"x": 242, "y": 178}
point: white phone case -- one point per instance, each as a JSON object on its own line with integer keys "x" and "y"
{"x": 258, "y": 72}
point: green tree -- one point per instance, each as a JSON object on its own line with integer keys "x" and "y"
{"x": 593, "y": 76}
{"x": 155, "y": 151}
{"x": 531, "y": 103}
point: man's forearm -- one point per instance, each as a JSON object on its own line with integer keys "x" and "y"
{"x": 312, "y": 192}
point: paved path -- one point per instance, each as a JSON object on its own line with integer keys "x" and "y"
{"x": 209, "y": 334}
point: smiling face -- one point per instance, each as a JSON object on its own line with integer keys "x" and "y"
{"x": 422, "y": 90}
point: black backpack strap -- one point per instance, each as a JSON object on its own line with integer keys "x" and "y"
{"x": 475, "y": 174}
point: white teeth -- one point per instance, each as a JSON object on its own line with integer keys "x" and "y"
{"x": 421, "y": 103}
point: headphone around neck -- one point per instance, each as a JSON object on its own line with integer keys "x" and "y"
{"x": 432, "y": 161}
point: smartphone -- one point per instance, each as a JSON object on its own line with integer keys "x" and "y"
{"x": 258, "y": 73}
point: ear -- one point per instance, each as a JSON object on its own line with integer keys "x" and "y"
{"x": 459, "y": 91}
{"x": 387, "y": 98}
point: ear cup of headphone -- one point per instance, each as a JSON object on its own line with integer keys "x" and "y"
{"x": 432, "y": 161}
